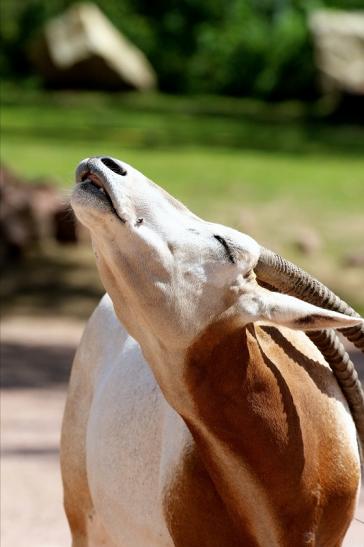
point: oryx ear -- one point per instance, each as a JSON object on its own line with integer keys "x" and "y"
{"x": 262, "y": 305}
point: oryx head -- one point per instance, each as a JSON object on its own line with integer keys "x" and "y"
{"x": 170, "y": 273}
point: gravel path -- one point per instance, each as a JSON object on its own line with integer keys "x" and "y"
{"x": 32, "y": 402}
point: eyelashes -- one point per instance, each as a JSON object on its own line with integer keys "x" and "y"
{"x": 228, "y": 252}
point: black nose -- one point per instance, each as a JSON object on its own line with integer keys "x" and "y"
{"x": 113, "y": 166}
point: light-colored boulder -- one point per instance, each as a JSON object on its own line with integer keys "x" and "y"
{"x": 82, "y": 48}
{"x": 339, "y": 43}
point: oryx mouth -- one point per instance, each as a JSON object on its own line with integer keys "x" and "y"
{"x": 97, "y": 186}
{"x": 96, "y": 182}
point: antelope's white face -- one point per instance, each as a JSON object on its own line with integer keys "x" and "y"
{"x": 169, "y": 273}
{"x": 165, "y": 269}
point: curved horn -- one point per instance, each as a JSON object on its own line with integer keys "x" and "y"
{"x": 289, "y": 278}
{"x": 343, "y": 368}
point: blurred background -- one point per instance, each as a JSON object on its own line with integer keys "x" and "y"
{"x": 249, "y": 111}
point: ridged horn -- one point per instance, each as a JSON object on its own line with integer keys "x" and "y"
{"x": 280, "y": 274}
{"x": 343, "y": 368}
{"x": 288, "y": 278}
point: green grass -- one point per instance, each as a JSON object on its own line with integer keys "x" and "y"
{"x": 270, "y": 171}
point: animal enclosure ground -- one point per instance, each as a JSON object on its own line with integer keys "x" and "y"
{"x": 36, "y": 359}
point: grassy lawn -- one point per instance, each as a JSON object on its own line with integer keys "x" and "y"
{"x": 274, "y": 172}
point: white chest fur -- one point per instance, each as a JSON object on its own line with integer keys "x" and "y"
{"x": 134, "y": 440}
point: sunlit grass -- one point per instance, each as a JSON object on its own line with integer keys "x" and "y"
{"x": 269, "y": 172}
{"x": 200, "y": 175}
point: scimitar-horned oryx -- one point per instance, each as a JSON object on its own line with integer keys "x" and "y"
{"x": 199, "y": 414}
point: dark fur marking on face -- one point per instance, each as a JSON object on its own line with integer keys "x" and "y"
{"x": 309, "y": 319}
{"x": 249, "y": 275}
{"x": 226, "y": 247}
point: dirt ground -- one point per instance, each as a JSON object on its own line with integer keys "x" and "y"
{"x": 32, "y": 401}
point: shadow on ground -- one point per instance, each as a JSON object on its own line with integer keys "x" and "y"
{"x": 54, "y": 281}
{"x": 30, "y": 366}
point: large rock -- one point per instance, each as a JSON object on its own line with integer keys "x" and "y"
{"x": 81, "y": 48}
{"x": 18, "y": 230}
{"x": 339, "y": 43}
{"x": 31, "y": 214}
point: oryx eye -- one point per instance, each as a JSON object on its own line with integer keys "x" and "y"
{"x": 229, "y": 254}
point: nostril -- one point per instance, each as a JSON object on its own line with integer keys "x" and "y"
{"x": 113, "y": 166}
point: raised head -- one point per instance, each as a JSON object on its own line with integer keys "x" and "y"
{"x": 169, "y": 273}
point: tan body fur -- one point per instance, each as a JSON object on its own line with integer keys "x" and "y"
{"x": 265, "y": 455}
